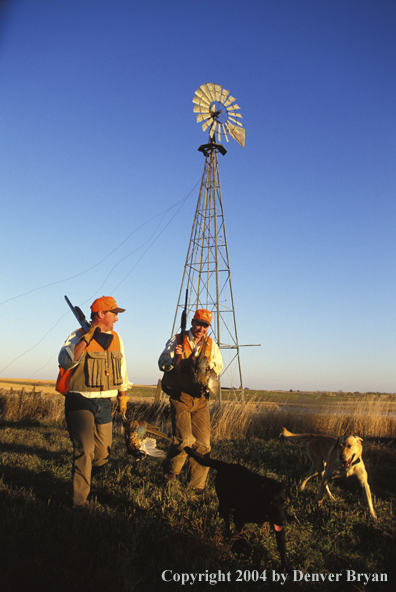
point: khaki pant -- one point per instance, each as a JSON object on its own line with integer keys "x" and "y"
{"x": 190, "y": 427}
{"x": 91, "y": 449}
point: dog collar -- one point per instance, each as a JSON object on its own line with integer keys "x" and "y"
{"x": 356, "y": 462}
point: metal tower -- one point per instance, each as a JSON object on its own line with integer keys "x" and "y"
{"x": 207, "y": 273}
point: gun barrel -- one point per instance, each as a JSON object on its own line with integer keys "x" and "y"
{"x": 78, "y": 313}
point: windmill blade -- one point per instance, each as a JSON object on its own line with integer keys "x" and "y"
{"x": 201, "y": 97}
{"x": 232, "y": 107}
{"x": 201, "y": 102}
{"x": 219, "y": 134}
{"x": 238, "y": 133}
{"x": 201, "y": 109}
{"x": 223, "y": 127}
{"x": 207, "y": 90}
{"x": 203, "y": 117}
{"x": 218, "y": 89}
{"x": 232, "y": 114}
{"x": 212, "y": 90}
{"x": 206, "y": 124}
{"x": 229, "y": 101}
{"x": 224, "y": 96}
{"x": 213, "y": 129}
{"x": 235, "y": 121}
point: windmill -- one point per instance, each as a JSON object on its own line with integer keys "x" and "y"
{"x": 207, "y": 276}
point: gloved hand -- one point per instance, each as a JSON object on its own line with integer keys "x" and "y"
{"x": 122, "y": 401}
{"x": 91, "y": 334}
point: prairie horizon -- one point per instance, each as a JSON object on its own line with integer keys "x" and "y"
{"x": 50, "y": 386}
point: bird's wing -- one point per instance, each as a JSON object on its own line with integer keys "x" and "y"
{"x": 149, "y": 446}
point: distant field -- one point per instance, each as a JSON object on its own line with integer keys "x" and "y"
{"x": 249, "y": 395}
{"x": 48, "y": 386}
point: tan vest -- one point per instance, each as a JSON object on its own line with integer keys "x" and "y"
{"x": 99, "y": 370}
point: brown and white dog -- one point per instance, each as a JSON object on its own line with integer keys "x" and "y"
{"x": 334, "y": 457}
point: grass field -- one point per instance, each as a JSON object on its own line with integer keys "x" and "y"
{"x": 140, "y": 534}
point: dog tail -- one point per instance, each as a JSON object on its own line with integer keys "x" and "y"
{"x": 286, "y": 434}
{"x": 204, "y": 460}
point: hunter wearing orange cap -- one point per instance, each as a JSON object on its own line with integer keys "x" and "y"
{"x": 92, "y": 373}
{"x": 189, "y": 412}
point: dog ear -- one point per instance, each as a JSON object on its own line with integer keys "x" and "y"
{"x": 358, "y": 438}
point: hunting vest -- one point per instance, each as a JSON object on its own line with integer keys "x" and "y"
{"x": 99, "y": 370}
{"x": 181, "y": 381}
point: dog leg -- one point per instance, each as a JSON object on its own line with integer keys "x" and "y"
{"x": 311, "y": 473}
{"x": 362, "y": 476}
{"x": 324, "y": 486}
{"x": 367, "y": 495}
{"x": 281, "y": 544}
{"x": 329, "y": 493}
{"x": 225, "y": 514}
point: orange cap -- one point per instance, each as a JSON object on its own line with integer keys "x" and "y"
{"x": 203, "y": 315}
{"x": 105, "y": 304}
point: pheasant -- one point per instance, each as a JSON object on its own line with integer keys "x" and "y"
{"x": 137, "y": 442}
{"x": 202, "y": 376}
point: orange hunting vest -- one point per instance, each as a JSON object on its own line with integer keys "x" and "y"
{"x": 187, "y": 349}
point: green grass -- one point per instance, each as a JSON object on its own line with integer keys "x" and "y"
{"x": 138, "y": 527}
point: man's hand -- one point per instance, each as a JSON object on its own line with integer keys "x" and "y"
{"x": 122, "y": 401}
{"x": 90, "y": 334}
{"x": 178, "y": 357}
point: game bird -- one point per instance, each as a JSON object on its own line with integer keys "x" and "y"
{"x": 138, "y": 444}
{"x": 202, "y": 376}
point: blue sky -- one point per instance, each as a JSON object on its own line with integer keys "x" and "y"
{"x": 100, "y": 177}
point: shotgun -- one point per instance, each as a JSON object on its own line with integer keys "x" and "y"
{"x": 182, "y": 332}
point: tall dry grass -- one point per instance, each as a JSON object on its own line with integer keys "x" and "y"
{"x": 370, "y": 417}
{"x": 19, "y": 406}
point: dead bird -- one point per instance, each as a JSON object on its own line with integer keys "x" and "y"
{"x": 137, "y": 442}
{"x": 202, "y": 376}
